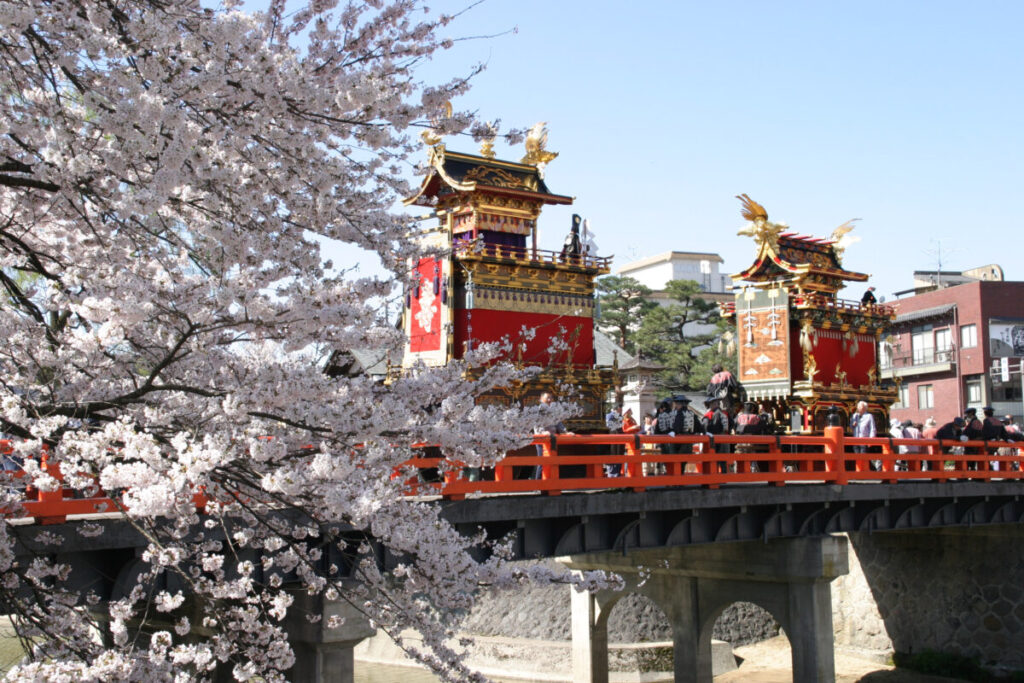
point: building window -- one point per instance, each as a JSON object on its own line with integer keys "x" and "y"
{"x": 925, "y": 397}
{"x": 968, "y": 336}
{"x": 943, "y": 339}
{"x": 973, "y": 387}
{"x": 922, "y": 344}
{"x": 1008, "y": 393}
{"x": 903, "y": 397}
{"x": 884, "y": 355}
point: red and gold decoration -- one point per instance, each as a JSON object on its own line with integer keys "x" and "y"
{"x": 801, "y": 348}
{"x": 425, "y": 304}
{"x": 491, "y": 283}
{"x": 762, "y": 318}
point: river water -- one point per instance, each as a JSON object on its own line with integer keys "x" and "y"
{"x": 386, "y": 673}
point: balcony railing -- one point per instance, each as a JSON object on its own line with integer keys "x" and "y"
{"x": 842, "y": 305}
{"x": 921, "y": 358}
{"x": 531, "y": 256}
{"x": 820, "y": 301}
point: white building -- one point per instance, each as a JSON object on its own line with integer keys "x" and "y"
{"x": 701, "y": 267}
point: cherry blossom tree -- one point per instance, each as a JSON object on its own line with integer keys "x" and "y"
{"x": 168, "y": 174}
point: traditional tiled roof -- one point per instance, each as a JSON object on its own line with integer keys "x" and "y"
{"x": 606, "y": 351}
{"x": 801, "y": 257}
{"x": 355, "y": 362}
{"x": 457, "y": 172}
{"x": 933, "y": 312}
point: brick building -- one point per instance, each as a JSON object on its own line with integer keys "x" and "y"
{"x": 941, "y": 351}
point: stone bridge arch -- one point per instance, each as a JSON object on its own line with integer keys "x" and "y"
{"x": 692, "y": 585}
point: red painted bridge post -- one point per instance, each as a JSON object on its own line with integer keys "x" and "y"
{"x": 549, "y": 470}
{"x": 835, "y": 446}
{"x": 51, "y": 511}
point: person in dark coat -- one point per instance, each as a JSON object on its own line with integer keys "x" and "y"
{"x": 750, "y": 423}
{"x": 718, "y": 422}
{"x": 951, "y": 431}
{"x": 572, "y": 246}
{"x": 992, "y": 428}
{"x": 869, "y": 297}
{"x": 973, "y": 428}
{"x": 663, "y": 423}
{"x": 767, "y": 419}
{"x": 722, "y": 386}
{"x": 682, "y": 422}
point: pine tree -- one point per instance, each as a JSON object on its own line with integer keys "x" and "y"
{"x": 624, "y": 303}
{"x": 683, "y": 336}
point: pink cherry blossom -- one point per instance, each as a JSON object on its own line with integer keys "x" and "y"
{"x": 169, "y": 173}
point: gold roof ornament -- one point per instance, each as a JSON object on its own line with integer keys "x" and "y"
{"x": 761, "y": 229}
{"x": 842, "y": 239}
{"x": 536, "y": 141}
{"x": 487, "y": 134}
{"x": 808, "y": 264}
{"x": 432, "y": 136}
{"x": 487, "y": 148}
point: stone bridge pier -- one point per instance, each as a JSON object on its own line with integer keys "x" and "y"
{"x": 322, "y": 653}
{"x": 692, "y": 585}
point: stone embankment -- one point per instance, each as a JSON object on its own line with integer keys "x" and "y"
{"x": 526, "y": 634}
{"x": 544, "y": 613}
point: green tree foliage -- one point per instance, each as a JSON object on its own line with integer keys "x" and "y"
{"x": 624, "y": 305}
{"x": 683, "y": 337}
{"x": 715, "y": 352}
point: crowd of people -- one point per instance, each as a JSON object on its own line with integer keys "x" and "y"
{"x": 725, "y": 414}
{"x": 967, "y": 428}
{"x": 675, "y": 416}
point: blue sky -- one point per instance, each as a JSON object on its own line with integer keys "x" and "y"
{"x": 906, "y": 115}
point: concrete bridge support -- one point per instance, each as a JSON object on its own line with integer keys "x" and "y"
{"x": 322, "y": 653}
{"x": 693, "y": 584}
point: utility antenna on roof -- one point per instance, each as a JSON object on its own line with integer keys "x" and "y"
{"x": 936, "y": 254}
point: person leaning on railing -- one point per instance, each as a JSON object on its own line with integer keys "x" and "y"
{"x": 953, "y": 431}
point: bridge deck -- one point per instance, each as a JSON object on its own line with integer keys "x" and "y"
{"x": 692, "y": 465}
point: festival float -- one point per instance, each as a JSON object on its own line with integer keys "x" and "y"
{"x": 802, "y": 350}
{"x": 485, "y": 279}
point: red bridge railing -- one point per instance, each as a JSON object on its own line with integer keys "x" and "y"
{"x": 832, "y": 458}
{"x": 579, "y": 462}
